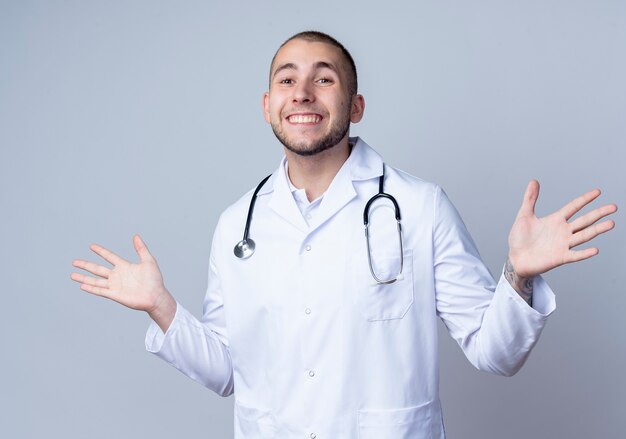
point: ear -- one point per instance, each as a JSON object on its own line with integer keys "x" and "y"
{"x": 266, "y": 106}
{"x": 357, "y": 108}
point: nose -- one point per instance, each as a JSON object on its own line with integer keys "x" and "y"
{"x": 303, "y": 92}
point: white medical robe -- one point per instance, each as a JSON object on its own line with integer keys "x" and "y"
{"x": 311, "y": 346}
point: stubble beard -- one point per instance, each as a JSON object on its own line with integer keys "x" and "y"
{"x": 338, "y": 131}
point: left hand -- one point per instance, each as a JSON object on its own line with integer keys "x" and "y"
{"x": 537, "y": 245}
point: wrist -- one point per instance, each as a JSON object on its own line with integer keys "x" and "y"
{"x": 163, "y": 310}
{"x": 523, "y": 285}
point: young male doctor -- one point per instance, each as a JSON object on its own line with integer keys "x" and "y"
{"x": 322, "y": 332}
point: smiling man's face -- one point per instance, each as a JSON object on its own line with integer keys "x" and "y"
{"x": 309, "y": 105}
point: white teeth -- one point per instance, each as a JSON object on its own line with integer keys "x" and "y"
{"x": 301, "y": 118}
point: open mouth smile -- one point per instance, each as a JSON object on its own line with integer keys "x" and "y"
{"x": 304, "y": 118}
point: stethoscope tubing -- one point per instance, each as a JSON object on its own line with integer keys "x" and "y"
{"x": 246, "y": 231}
{"x": 366, "y": 212}
{"x": 246, "y": 247}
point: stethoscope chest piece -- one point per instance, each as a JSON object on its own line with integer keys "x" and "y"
{"x": 244, "y": 248}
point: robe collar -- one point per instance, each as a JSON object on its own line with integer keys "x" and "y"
{"x": 363, "y": 164}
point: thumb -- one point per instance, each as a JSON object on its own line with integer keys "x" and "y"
{"x": 141, "y": 249}
{"x": 530, "y": 199}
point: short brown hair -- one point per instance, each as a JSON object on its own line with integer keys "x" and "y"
{"x": 320, "y": 37}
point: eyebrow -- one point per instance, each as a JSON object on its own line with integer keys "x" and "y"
{"x": 318, "y": 65}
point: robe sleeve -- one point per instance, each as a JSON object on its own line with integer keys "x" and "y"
{"x": 199, "y": 348}
{"x": 493, "y": 325}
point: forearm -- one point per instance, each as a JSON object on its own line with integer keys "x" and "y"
{"x": 195, "y": 349}
{"x": 522, "y": 285}
{"x": 495, "y": 328}
{"x": 509, "y": 328}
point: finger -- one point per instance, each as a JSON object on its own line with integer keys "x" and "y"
{"x": 590, "y": 232}
{"x": 141, "y": 248}
{"x": 107, "y": 255}
{"x": 592, "y": 217}
{"x": 576, "y": 204}
{"x": 98, "y": 291}
{"x": 88, "y": 280}
{"x": 91, "y": 267}
{"x": 581, "y": 255}
{"x": 530, "y": 199}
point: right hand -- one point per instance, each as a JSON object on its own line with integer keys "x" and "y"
{"x": 137, "y": 286}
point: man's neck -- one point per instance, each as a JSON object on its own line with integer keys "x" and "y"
{"x": 315, "y": 173}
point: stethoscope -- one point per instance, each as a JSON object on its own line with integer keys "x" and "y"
{"x": 245, "y": 248}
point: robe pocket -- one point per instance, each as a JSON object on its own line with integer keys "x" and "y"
{"x": 385, "y": 301}
{"x": 406, "y": 423}
{"x": 253, "y": 423}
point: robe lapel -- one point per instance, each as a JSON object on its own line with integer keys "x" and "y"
{"x": 364, "y": 163}
{"x": 283, "y": 203}
{"x": 340, "y": 192}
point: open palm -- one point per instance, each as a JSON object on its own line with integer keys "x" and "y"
{"x": 537, "y": 245}
{"x": 135, "y": 285}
